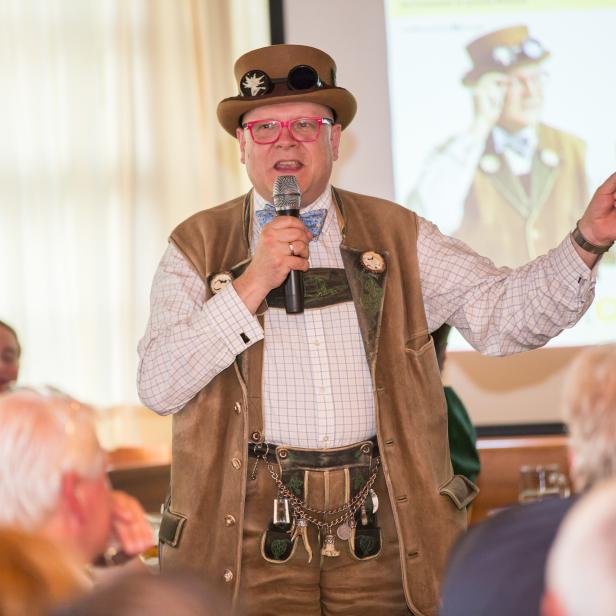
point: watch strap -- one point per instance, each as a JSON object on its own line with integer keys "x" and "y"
{"x": 583, "y": 243}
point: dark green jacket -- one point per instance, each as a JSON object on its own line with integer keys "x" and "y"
{"x": 462, "y": 437}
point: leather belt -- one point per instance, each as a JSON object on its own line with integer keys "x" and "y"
{"x": 349, "y": 455}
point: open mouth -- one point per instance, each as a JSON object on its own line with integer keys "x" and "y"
{"x": 288, "y": 166}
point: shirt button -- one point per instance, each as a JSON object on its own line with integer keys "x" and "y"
{"x": 325, "y": 439}
{"x": 237, "y": 408}
{"x": 229, "y": 520}
{"x": 228, "y": 575}
{"x": 236, "y": 463}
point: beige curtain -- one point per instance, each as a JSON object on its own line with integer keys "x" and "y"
{"x": 109, "y": 139}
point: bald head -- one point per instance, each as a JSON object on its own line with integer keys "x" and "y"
{"x": 581, "y": 567}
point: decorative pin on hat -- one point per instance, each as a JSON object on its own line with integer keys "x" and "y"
{"x": 285, "y": 74}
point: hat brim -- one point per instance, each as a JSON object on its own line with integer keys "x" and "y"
{"x": 471, "y": 78}
{"x": 341, "y": 101}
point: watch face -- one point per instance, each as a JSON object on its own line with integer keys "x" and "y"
{"x": 372, "y": 262}
{"x": 219, "y": 281}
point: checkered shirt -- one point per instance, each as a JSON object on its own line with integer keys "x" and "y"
{"x": 317, "y": 390}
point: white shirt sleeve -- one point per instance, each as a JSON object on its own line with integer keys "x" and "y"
{"x": 188, "y": 341}
{"x": 444, "y": 182}
{"x": 499, "y": 310}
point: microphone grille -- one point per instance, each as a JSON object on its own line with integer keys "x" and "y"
{"x": 286, "y": 185}
{"x": 286, "y": 193}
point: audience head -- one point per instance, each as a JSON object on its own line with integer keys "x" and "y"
{"x": 440, "y": 343}
{"x": 35, "y": 576}
{"x": 52, "y": 471}
{"x": 581, "y": 568}
{"x": 143, "y": 594}
{"x": 590, "y": 412}
{"x": 10, "y": 352}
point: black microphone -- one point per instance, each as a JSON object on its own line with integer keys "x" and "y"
{"x": 287, "y": 198}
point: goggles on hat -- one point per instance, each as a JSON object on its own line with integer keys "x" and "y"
{"x": 300, "y": 77}
{"x": 507, "y": 55}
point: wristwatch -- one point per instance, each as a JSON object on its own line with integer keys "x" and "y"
{"x": 582, "y": 242}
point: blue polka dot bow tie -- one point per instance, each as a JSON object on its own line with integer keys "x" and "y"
{"x": 313, "y": 220}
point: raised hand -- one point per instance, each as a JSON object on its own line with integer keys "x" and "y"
{"x": 130, "y": 527}
{"x": 488, "y": 99}
{"x": 598, "y": 223}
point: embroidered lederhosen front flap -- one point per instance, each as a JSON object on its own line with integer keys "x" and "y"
{"x": 323, "y": 286}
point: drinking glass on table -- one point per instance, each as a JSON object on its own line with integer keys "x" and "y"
{"x": 538, "y": 482}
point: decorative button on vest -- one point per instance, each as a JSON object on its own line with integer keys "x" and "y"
{"x": 219, "y": 281}
{"x": 229, "y": 520}
{"x": 372, "y": 262}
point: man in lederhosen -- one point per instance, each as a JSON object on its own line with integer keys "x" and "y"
{"x": 311, "y": 472}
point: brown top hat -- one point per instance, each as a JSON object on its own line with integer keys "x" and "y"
{"x": 501, "y": 51}
{"x": 285, "y": 74}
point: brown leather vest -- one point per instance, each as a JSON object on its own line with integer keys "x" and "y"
{"x": 210, "y": 434}
{"x": 511, "y": 226}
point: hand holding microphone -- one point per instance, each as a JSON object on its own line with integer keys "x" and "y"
{"x": 282, "y": 248}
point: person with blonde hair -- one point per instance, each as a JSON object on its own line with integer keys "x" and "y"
{"x": 36, "y": 575}
{"x": 581, "y": 568}
{"x": 590, "y": 413}
{"x": 53, "y": 478}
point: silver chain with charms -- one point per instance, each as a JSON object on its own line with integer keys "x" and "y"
{"x": 304, "y": 511}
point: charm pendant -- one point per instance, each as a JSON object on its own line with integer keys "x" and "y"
{"x": 329, "y": 547}
{"x": 364, "y": 515}
{"x": 375, "y": 500}
{"x": 344, "y": 531}
{"x": 282, "y": 514}
{"x": 302, "y": 529}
